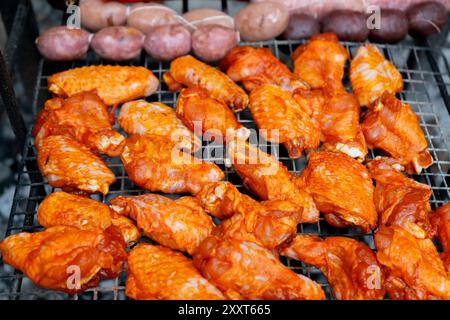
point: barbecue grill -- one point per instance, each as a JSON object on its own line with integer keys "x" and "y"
{"x": 424, "y": 68}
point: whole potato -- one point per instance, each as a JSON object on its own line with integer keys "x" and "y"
{"x": 98, "y": 14}
{"x": 348, "y": 25}
{"x": 213, "y": 42}
{"x": 118, "y": 43}
{"x": 168, "y": 42}
{"x": 204, "y": 16}
{"x": 301, "y": 26}
{"x": 261, "y": 21}
{"x": 394, "y": 27}
{"x": 146, "y": 16}
{"x": 426, "y": 18}
{"x": 62, "y": 43}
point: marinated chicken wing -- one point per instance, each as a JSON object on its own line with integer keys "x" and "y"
{"x": 269, "y": 179}
{"x": 207, "y": 116}
{"x": 340, "y": 126}
{"x": 114, "y": 84}
{"x": 188, "y": 71}
{"x": 394, "y": 127}
{"x": 66, "y": 258}
{"x": 400, "y": 201}
{"x": 341, "y": 188}
{"x": 282, "y": 120}
{"x": 158, "y": 273}
{"x": 82, "y": 117}
{"x": 65, "y": 209}
{"x": 271, "y": 222}
{"x": 320, "y": 62}
{"x": 350, "y": 266}
{"x": 414, "y": 268}
{"x": 440, "y": 219}
{"x": 142, "y": 117}
{"x": 254, "y": 67}
{"x": 245, "y": 270}
{"x": 178, "y": 224}
{"x": 69, "y": 165}
{"x": 371, "y": 75}
{"x": 337, "y": 116}
{"x": 155, "y": 164}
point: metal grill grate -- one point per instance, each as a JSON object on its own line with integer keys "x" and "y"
{"x": 426, "y": 75}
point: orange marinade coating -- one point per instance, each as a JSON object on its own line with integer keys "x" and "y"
{"x": 179, "y": 224}
{"x": 70, "y": 165}
{"x": 188, "y": 71}
{"x": 114, "y": 84}
{"x": 159, "y": 273}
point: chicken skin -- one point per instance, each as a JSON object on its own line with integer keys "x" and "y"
{"x": 245, "y": 270}
{"x": 187, "y": 71}
{"x": 320, "y": 62}
{"x": 69, "y": 165}
{"x": 55, "y": 257}
{"x": 208, "y": 117}
{"x": 350, "y": 266}
{"x": 341, "y": 188}
{"x": 269, "y": 179}
{"x": 271, "y": 222}
{"x": 282, "y": 120}
{"x": 340, "y": 126}
{"x": 337, "y": 116}
{"x": 393, "y": 127}
{"x": 440, "y": 219}
{"x": 114, "y": 84}
{"x": 413, "y": 266}
{"x": 371, "y": 74}
{"x": 155, "y": 164}
{"x": 178, "y": 224}
{"x": 82, "y": 117}
{"x": 400, "y": 201}
{"x": 142, "y": 117}
{"x": 65, "y": 209}
{"x": 159, "y": 273}
{"x": 254, "y": 67}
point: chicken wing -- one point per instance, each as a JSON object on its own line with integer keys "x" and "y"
{"x": 178, "y": 224}
{"x": 254, "y": 67}
{"x": 271, "y": 222}
{"x": 337, "y": 116}
{"x": 158, "y": 273}
{"x": 342, "y": 190}
{"x": 82, "y": 117}
{"x": 142, "y": 117}
{"x": 207, "y": 116}
{"x": 340, "y": 126}
{"x": 440, "y": 219}
{"x": 282, "y": 120}
{"x": 65, "y": 209}
{"x": 245, "y": 270}
{"x": 114, "y": 84}
{"x": 400, "y": 201}
{"x": 269, "y": 179}
{"x": 394, "y": 127}
{"x": 155, "y": 164}
{"x": 188, "y": 71}
{"x": 350, "y": 266}
{"x": 414, "y": 268}
{"x": 69, "y": 165}
{"x": 371, "y": 75}
{"x": 66, "y": 258}
{"x": 320, "y": 62}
